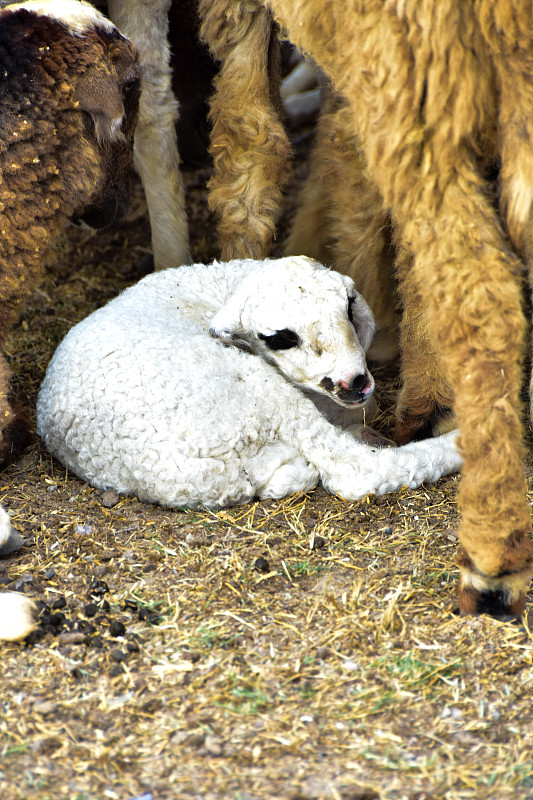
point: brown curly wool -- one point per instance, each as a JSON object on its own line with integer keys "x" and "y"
{"x": 69, "y": 89}
{"x": 439, "y": 94}
{"x": 250, "y": 148}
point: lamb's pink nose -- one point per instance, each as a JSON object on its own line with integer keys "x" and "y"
{"x": 356, "y": 384}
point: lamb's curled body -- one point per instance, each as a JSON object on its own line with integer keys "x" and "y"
{"x": 183, "y": 391}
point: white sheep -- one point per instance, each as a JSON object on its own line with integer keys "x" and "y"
{"x": 202, "y": 385}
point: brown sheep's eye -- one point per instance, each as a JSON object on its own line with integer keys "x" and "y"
{"x": 281, "y": 340}
{"x": 130, "y": 86}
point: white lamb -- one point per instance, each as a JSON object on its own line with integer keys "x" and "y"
{"x": 212, "y": 385}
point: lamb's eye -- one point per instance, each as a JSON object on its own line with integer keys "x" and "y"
{"x": 351, "y": 301}
{"x": 281, "y": 340}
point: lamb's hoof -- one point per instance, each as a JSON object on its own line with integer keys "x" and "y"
{"x": 15, "y": 542}
{"x": 496, "y": 603}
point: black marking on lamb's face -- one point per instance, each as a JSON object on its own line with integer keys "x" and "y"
{"x": 351, "y": 300}
{"x": 281, "y": 340}
{"x": 327, "y": 384}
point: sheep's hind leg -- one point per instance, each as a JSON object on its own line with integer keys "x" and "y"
{"x": 476, "y": 317}
{"x": 424, "y": 405}
{"x": 145, "y": 22}
{"x": 249, "y": 145}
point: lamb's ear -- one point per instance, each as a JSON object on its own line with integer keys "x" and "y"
{"x": 97, "y": 92}
{"x": 363, "y": 321}
{"x": 226, "y": 326}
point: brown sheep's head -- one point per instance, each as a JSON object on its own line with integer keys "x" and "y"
{"x": 108, "y": 94}
{"x": 70, "y": 103}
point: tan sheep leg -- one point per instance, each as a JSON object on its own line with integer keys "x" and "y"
{"x": 342, "y": 222}
{"x": 480, "y": 327}
{"x": 417, "y": 152}
{"x": 511, "y": 49}
{"x": 424, "y": 404}
{"x": 249, "y": 145}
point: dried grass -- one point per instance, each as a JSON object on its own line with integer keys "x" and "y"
{"x": 306, "y": 649}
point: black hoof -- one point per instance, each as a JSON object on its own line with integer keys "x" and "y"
{"x": 492, "y": 602}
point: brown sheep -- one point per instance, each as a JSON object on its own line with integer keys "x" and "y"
{"x": 69, "y": 92}
{"x": 440, "y": 94}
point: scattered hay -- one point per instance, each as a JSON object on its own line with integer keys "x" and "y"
{"x": 306, "y": 649}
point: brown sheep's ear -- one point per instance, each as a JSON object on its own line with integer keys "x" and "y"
{"x": 97, "y": 92}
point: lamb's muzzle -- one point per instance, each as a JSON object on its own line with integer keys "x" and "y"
{"x": 354, "y": 392}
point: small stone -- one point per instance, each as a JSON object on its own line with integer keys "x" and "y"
{"x": 132, "y": 646}
{"x": 107, "y": 555}
{"x": 117, "y": 654}
{"x": 85, "y": 627}
{"x": 109, "y": 498}
{"x": 100, "y": 570}
{"x": 90, "y": 610}
{"x": 72, "y": 637}
{"x": 59, "y": 602}
{"x": 35, "y": 636}
{"x": 318, "y": 543}
{"x": 261, "y": 564}
{"x": 57, "y": 620}
{"x": 45, "y": 707}
{"x": 83, "y": 530}
{"x": 50, "y": 573}
{"x": 98, "y": 588}
{"x": 195, "y": 739}
{"x": 116, "y": 628}
{"x": 213, "y": 745}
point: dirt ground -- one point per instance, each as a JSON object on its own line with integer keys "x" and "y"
{"x": 307, "y": 649}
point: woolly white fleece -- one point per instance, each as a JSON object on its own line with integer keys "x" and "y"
{"x": 172, "y": 393}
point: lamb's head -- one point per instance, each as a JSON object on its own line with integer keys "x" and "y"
{"x": 306, "y": 320}
{"x": 70, "y": 106}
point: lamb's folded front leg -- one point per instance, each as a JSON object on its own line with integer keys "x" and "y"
{"x": 353, "y": 470}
